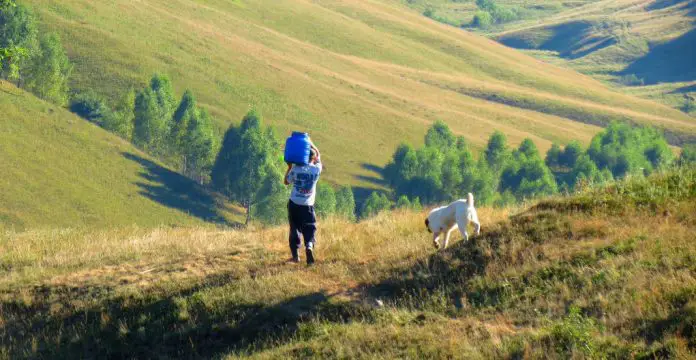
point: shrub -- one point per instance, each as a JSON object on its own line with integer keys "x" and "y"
{"x": 90, "y": 106}
{"x": 375, "y": 204}
{"x": 631, "y": 80}
{"x": 689, "y": 105}
{"x": 688, "y": 155}
{"x": 574, "y": 333}
{"x": 482, "y": 20}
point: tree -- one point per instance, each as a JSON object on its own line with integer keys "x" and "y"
{"x": 18, "y": 38}
{"x": 403, "y": 202}
{"x": 192, "y": 139}
{"x": 325, "y": 200}
{"x": 49, "y": 70}
{"x": 624, "y": 149}
{"x": 416, "y": 204}
{"x": 122, "y": 121}
{"x": 553, "y": 156}
{"x": 585, "y": 170}
{"x": 345, "y": 203}
{"x": 247, "y": 158}
{"x": 164, "y": 94}
{"x": 374, "y": 204}
{"x": 154, "y": 107}
{"x": 200, "y": 146}
{"x": 180, "y": 122}
{"x": 527, "y": 175}
{"x": 482, "y": 20}
{"x": 571, "y": 154}
{"x": 497, "y": 152}
{"x": 488, "y": 5}
{"x": 272, "y": 209}
{"x": 147, "y": 126}
{"x": 440, "y": 136}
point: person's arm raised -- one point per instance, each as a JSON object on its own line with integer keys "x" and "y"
{"x": 287, "y": 172}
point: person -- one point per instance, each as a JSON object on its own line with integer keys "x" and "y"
{"x": 301, "y": 215}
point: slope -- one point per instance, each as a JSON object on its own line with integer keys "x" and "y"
{"x": 604, "y": 274}
{"x": 644, "y": 44}
{"x": 361, "y": 76}
{"x": 61, "y": 171}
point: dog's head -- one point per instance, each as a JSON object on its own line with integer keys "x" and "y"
{"x": 427, "y": 225}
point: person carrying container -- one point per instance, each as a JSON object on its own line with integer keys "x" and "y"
{"x": 304, "y": 168}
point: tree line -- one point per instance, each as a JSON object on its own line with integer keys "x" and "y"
{"x": 246, "y": 166}
{"x": 444, "y": 168}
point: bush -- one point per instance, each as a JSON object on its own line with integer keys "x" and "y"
{"x": 689, "y": 105}
{"x": 631, "y": 80}
{"x": 89, "y": 105}
{"x": 574, "y": 333}
{"x": 482, "y": 20}
{"x": 688, "y": 155}
{"x": 374, "y": 204}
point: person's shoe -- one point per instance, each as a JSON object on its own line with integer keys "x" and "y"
{"x": 294, "y": 260}
{"x": 310, "y": 256}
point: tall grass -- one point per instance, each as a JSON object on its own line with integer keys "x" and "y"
{"x": 542, "y": 282}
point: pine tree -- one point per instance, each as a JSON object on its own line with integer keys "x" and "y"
{"x": 345, "y": 203}
{"x": 325, "y": 200}
{"x": 497, "y": 152}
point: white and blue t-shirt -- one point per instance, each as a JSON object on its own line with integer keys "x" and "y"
{"x": 304, "y": 180}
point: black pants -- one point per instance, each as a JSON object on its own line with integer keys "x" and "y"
{"x": 303, "y": 222}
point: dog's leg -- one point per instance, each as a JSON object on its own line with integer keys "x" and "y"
{"x": 473, "y": 217}
{"x": 477, "y": 227}
{"x": 436, "y": 242}
{"x": 462, "y": 222}
{"x": 447, "y": 237}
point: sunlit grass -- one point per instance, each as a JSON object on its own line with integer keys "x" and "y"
{"x": 555, "y": 280}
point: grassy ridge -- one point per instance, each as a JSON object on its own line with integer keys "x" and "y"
{"x": 612, "y": 40}
{"x": 60, "y": 171}
{"x": 607, "y": 273}
{"x": 362, "y": 76}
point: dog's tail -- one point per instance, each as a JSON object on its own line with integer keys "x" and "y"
{"x": 470, "y": 199}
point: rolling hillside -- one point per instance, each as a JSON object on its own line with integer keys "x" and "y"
{"x": 361, "y": 76}
{"x": 645, "y": 44}
{"x": 61, "y": 171}
{"x": 642, "y": 46}
{"x": 606, "y": 274}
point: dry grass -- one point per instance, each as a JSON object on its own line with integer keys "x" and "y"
{"x": 556, "y": 280}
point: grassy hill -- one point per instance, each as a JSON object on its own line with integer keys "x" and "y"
{"x": 361, "y": 76}
{"x": 643, "y": 46}
{"x": 61, "y": 171}
{"x": 607, "y": 273}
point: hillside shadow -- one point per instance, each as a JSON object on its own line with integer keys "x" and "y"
{"x": 176, "y": 191}
{"x": 377, "y": 176}
{"x": 663, "y": 4}
{"x": 455, "y": 265}
{"x": 684, "y": 89}
{"x": 572, "y": 40}
{"x": 672, "y": 61}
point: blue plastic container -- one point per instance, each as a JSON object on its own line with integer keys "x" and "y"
{"x": 297, "y": 148}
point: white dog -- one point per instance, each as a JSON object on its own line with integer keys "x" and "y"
{"x": 446, "y": 218}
